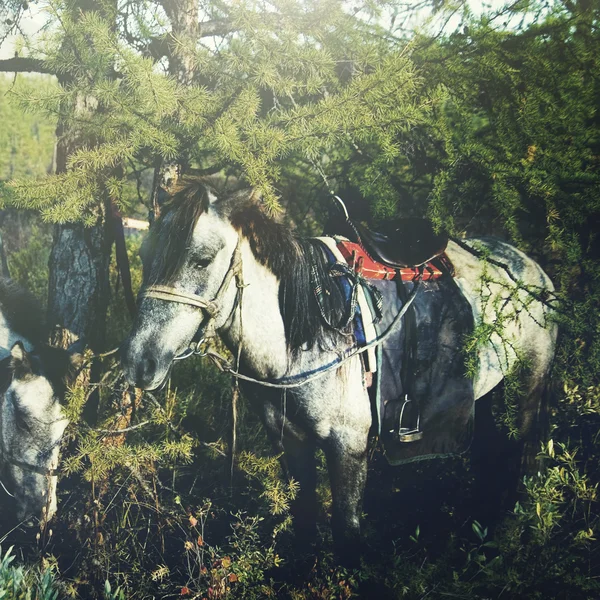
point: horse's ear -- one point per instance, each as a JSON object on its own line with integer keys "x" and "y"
{"x": 167, "y": 185}
{"x": 255, "y": 195}
{"x": 211, "y": 196}
{"x": 20, "y": 362}
{"x": 75, "y": 351}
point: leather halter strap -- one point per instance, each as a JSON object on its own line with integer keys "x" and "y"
{"x": 11, "y": 460}
{"x": 32, "y": 468}
{"x": 165, "y": 292}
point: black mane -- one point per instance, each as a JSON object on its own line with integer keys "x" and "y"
{"x": 6, "y": 374}
{"x": 294, "y": 261}
{"x": 22, "y": 312}
{"x": 24, "y": 317}
{"x": 57, "y": 366}
{"x": 172, "y": 233}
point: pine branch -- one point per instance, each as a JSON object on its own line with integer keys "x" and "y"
{"x": 158, "y": 47}
{"x": 22, "y": 64}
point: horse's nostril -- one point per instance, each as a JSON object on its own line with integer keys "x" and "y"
{"x": 150, "y": 365}
{"x": 146, "y": 369}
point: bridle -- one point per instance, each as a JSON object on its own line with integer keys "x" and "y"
{"x": 212, "y": 308}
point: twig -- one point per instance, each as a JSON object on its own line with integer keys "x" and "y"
{"x": 119, "y": 431}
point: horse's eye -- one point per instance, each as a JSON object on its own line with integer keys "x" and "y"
{"x": 202, "y": 263}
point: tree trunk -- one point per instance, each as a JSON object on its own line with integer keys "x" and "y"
{"x": 4, "y": 270}
{"x": 79, "y": 285}
{"x": 183, "y": 15}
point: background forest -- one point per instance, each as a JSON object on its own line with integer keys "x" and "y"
{"x": 486, "y": 122}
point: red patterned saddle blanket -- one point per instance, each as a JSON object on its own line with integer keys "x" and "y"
{"x": 363, "y": 264}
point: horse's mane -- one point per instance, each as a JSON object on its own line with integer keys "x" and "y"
{"x": 58, "y": 367}
{"x": 22, "y": 311}
{"x": 172, "y": 232}
{"x": 294, "y": 261}
{"x": 6, "y": 373}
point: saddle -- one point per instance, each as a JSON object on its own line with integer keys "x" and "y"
{"x": 406, "y": 243}
{"x": 402, "y": 250}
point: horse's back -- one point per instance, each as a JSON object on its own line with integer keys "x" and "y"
{"x": 511, "y": 323}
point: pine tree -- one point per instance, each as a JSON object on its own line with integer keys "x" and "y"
{"x": 260, "y": 94}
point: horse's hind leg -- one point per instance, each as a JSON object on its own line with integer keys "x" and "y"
{"x": 495, "y": 461}
{"x": 539, "y": 348}
{"x": 500, "y": 462}
{"x": 533, "y": 422}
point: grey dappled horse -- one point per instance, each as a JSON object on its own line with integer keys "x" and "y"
{"x": 222, "y": 264}
{"x": 33, "y": 378}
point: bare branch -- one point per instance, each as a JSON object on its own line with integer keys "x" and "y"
{"x": 159, "y": 46}
{"x": 22, "y": 64}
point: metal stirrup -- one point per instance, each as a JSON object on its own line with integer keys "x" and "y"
{"x": 409, "y": 434}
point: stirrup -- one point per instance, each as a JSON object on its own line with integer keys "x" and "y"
{"x": 409, "y": 434}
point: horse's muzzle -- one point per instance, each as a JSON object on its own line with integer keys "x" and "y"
{"x": 146, "y": 369}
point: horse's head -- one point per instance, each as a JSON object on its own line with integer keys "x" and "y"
{"x": 32, "y": 424}
{"x": 188, "y": 252}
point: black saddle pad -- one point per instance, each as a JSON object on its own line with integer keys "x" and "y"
{"x": 445, "y": 397}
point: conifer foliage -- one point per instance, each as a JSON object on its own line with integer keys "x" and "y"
{"x": 487, "y": 127}
{"x": 296, "y": 78}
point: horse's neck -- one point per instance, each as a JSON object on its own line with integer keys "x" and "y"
{"x": 257, "y": 325}
{"x": 8, "y": 337}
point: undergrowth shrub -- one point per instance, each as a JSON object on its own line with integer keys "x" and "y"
{"x": 29, "y": 265}
{"x": 159, "y": 511}
{"x": 162, "y": 513}
{"x": 38, "y": 583}
{"x": 19, "y": 583}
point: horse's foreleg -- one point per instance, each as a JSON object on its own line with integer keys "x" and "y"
{"x": 299, "y": 463}
{"x": 533, "y": 425}
{"x": 348, "y": 475}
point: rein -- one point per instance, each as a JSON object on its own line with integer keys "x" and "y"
{"x": 213, "y": 308}
{"x": 224, "y": 365}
